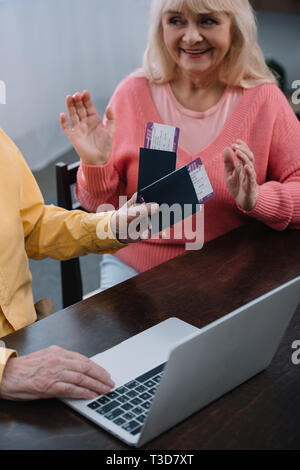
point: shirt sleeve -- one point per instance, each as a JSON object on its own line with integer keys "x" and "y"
{"x": 58, "y": 233}
{"x": 5, "y": 354}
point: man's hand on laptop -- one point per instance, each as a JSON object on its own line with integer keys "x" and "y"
{"x": 53, "y": 372}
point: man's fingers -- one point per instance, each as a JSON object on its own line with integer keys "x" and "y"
{"x": 53, "y": 372}
{"x": 137, "y": 212}
{"x": 142, "y": 211}
{"x": 132, "y": 222}
{"x": 145, "y": 209}
{"x": 152, "y": 208}
{"x": 83, "y": 381}
{"x": 68, "y": 390}
{"x": 77, "y": 362}
{"x": 132, "y": 200}
{"x": 91, "y": 369}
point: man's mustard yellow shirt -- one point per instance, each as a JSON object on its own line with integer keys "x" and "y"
{"x": 31, "y": 229}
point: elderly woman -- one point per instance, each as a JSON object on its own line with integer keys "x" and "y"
{"x": 205, "y": 73}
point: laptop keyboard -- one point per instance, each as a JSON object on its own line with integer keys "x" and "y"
{"x": 128, "y": 405}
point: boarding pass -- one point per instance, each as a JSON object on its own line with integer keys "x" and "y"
{"x": 161, "y": 137}
{"x": 200, "y": 181}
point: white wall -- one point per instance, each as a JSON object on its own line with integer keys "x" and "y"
{"x": 49, "y": 48}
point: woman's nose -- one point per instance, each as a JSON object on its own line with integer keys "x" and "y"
{"x": 192, "y": 35}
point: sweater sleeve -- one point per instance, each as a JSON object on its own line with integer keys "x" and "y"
{"x": 278, "y": 203}
{"x": 98, "y": 185}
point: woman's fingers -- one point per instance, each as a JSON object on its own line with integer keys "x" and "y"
{"x": 250, "y": 177}
{"x": 232, "y": 171}
{"x": 71, "y": 110}
{"x": 246, "y": 169}
{"x": 64, "y": 124}
{"x": 79, "y": 109}
{"x": 243, "y": 147}
{"x": 244, "y": 157}
{"x": 76, "y": 109}
{"x": 79, "y": 106}
{"x": 228, "y": 157}
{"x": 110, "y": 114}
{"x": 110, "y": 120}
{"x": 88, "y": 104}
{"x": 240, "y": 174}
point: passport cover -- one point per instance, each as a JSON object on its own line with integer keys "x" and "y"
{"x": 153, "y": 165}
{"x": 174, "y": 188}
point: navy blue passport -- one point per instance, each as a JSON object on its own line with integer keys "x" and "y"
{"x": 176, "y": 193}
{"x": 153, "y": 165}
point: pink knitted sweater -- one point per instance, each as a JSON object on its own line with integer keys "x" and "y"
{"x": 263, "y": 118}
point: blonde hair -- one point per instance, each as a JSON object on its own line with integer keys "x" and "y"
{"x": 244, "y": 65}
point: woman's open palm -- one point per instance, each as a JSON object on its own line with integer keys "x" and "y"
{"x": 91, "y": 137}
{"x": 240, "y": 177}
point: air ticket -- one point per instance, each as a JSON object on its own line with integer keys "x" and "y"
{"x": 161, "y": 137}
{"x": 200, "y": 181}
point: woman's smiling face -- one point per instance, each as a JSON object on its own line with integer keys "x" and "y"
{"x": 197, "y": 43}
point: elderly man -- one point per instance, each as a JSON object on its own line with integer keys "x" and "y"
{"x": 32, "y": 229}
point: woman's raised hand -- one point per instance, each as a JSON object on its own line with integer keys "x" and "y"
{"x": 240, "y": 176}
{"x": 91, "y": 138}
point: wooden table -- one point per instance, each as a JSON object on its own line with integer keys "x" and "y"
{"x": 198, "y": 287}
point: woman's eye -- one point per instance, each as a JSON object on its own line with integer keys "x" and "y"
{"x": 209, "y": 21}
{"x": 176, "y": 21}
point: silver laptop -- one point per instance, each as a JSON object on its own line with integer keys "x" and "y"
{"x": 170, "y": 371}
